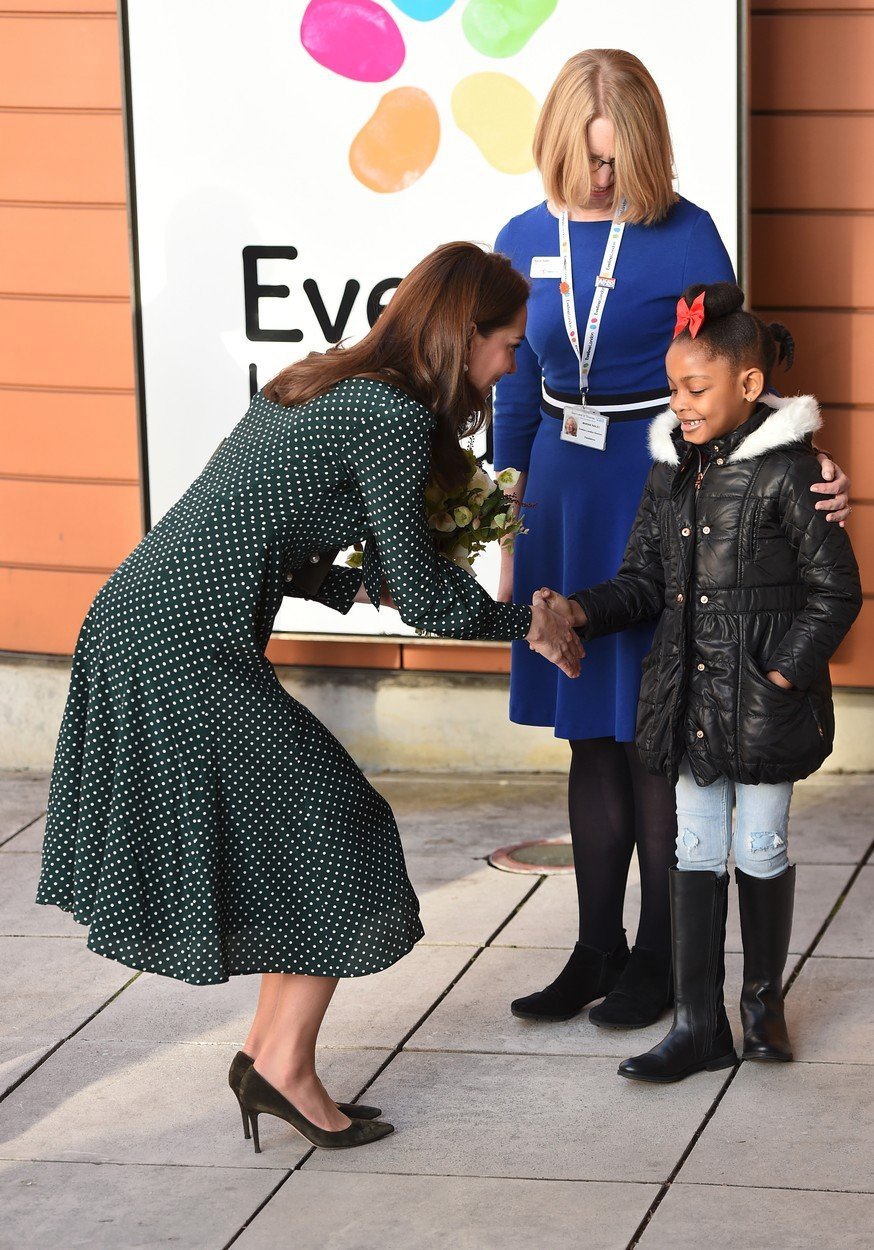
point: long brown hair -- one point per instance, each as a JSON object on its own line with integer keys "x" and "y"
{"x": 615, "y": 85}
{"x": 420, "y": 344}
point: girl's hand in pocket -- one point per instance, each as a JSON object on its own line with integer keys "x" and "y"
{"x": 779, "y": 680}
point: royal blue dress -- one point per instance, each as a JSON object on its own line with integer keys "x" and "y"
{"x": 582, "y": 502}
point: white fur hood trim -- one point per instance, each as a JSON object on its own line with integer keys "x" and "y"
{"x": 794, "y": 417}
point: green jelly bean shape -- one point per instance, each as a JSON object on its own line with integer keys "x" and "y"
{"x": 503, "y": 27}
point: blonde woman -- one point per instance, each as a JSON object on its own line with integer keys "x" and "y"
{"x": 612, "y": 243}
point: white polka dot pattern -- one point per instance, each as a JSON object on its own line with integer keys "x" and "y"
{"x": 201, "y": 821}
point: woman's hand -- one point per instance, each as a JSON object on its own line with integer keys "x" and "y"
{"x": 552, "y": 637}
{"x": 778, "y": 679}
{"x": 568, "y": 609}
{"x": 835, "y": 483}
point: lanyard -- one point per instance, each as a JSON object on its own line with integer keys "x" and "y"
{"x": 604, "y": 284}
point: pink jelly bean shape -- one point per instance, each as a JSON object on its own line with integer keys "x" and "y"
{"x": 354, "y": 38}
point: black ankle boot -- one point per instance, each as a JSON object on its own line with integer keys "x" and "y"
{"x": 588, "y": 974}
{"x": 700, "y": 1036}
{"x": 642, "y": 993}
{"x": 766, "y": 907}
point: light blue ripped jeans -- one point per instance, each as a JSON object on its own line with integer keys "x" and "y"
{"x": 704, "y": 825}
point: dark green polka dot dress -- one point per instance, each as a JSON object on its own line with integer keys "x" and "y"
{"x": 201, "y": 821}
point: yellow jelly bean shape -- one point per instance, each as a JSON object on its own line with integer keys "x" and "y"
{"x": 499, "y": 114}
{"x": 398, "y": 143}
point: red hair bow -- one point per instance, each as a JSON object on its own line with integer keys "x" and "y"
{"x": 690, "y": 316}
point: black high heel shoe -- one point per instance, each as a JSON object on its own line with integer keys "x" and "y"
{"x": 241, "y": 1064}
{"x": 258, "y": 1097}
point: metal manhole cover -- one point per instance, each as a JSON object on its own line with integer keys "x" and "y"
{"x": 544, "y": 856}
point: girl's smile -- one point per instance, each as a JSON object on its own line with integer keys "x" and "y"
{"x": 709, "y": 396}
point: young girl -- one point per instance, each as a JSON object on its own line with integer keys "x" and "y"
{"x": 754, "y": 590}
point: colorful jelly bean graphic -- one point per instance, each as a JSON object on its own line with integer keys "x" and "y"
{"x": 499, "y": 114}
{"x": 503, "y": 27}
{"x": 395, "y": 147}
{"x": 424, "y": 10}
{"x": 355, "y": 38}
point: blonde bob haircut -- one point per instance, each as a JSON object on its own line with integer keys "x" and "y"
{"x": 616, "y": 86}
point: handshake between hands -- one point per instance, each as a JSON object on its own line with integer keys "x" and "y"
{"x": 554, "y": 620}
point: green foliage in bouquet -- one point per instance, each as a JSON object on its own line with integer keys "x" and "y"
{"x": 476, "y": 514}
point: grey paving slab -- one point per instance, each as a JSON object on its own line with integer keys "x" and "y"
{"x": 475, "y": 1016}
{"x": 19, "y": 1053}
{"x": 831, "y": 819}
{"x": 19, "y": 914}
{"x": 723, "y": 1217}
{"x": 366, "y": 1211}
{"x": 474, "y": 815}
{"x": 550, "y": 918}
{"x": 851, "y": 933}
{"x": 22, "y": 798}
{"x": 125, "y": 1102}
{"x": 830, "y": 1010}
{"x": 463, "y": 906}
{"x": 552, "y": 1117}
{"x": 87, "y": 1206}
{"x": 369, "y": 1012}
{"x": 51, "y": 985}
{"x": 801, "y": 1125}
{"x": 28, "y": 841}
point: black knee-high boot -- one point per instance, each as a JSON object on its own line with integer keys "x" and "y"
{"x": 700, "y": 1036}
{"x": 766, "y": 906}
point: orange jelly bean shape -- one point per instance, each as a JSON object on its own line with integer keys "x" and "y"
{"x": 398, "y": 143}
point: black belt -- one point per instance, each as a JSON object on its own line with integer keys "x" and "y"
{"x": 632, "y": 407}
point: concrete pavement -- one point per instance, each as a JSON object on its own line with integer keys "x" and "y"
{"x": 117, "y": 1129}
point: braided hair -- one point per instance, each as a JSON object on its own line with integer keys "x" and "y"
{"x": 728, "y": 330}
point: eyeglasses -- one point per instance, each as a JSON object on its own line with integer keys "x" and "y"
{"x": 596, "y": 163}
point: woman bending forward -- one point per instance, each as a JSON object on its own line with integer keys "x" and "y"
{"x": 202, "y": 822}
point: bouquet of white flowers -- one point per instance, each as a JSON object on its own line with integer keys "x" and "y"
{"x": 475, "y": 514}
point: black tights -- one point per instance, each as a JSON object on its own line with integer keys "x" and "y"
{"x": 615, "y": 805}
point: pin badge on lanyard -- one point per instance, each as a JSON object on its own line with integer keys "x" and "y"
{"x": 581, "y": 424}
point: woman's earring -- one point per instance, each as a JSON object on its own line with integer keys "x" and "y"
{"x": 465, "y": 366}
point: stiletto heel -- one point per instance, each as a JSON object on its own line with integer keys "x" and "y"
{"x": 259, "y": 1096}
{"x": 245, "y": 1115}
{"x": 242, "y": 1062}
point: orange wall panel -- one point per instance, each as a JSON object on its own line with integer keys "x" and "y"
{"x": 64, "y": 251}
{"x": 45, "y": 342}
{"x": 812, "y": 162}
{"x": 834, "y": 359}
{"x": 59, "y": 62}
{"x": 791, "y": 6}
{"x": 69, "y": 434}
{"x": 816, "y": 61}
{"x": 422, "y": 657}
{"x": 62, "y": 158}
{"x": 333, "y": 653}
{"x": 812, "y": 261}
{"x": 60, "y": 6}
{"x": 853, "y": 663}
{"x": 42, "y": 612}
{"x": 70, "y": 525}
{"x": 849, "y": 436}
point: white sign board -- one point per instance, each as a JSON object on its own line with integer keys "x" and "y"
{"x": 290, "y": 161}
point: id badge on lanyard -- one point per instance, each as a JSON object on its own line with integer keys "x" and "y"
{"x": 580, "y": 423}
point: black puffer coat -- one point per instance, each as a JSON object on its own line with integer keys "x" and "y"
{"x": 746, "y": 577}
